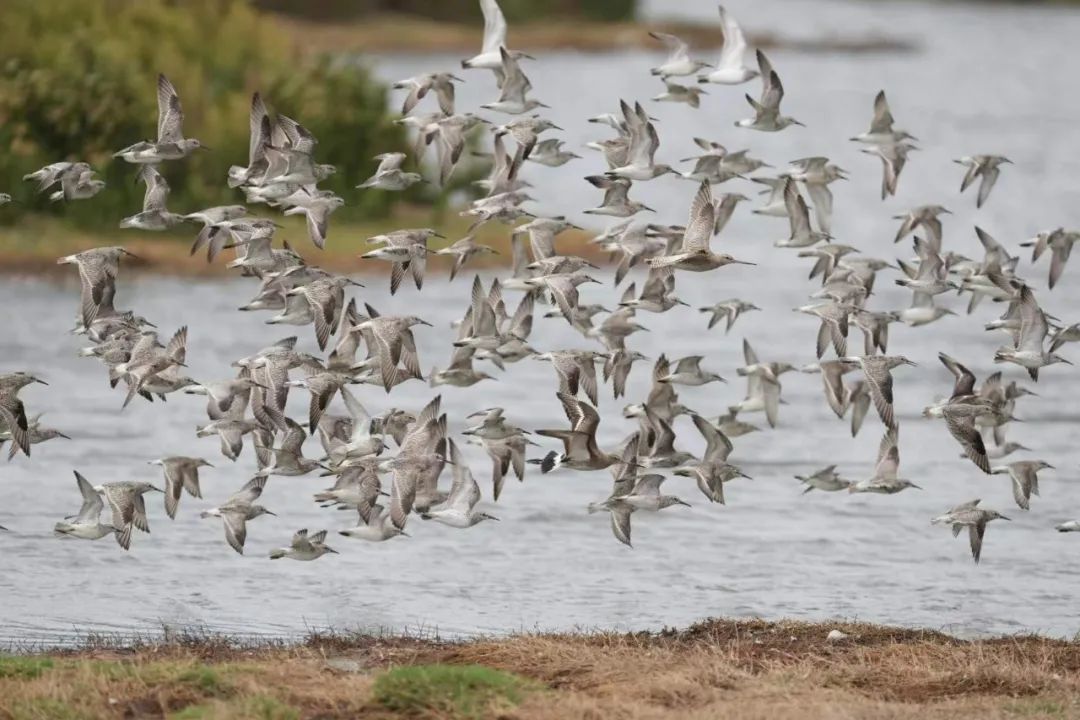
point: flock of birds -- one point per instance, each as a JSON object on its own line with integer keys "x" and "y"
{"x": 356, "y": 445}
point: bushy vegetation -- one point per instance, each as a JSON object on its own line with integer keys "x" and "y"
{"x": 452, "y": 691}
{"x": 78, "y": 79}
{"x": 455, "y": 10}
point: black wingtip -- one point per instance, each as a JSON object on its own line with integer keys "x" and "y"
{"x": 548, "y": 463}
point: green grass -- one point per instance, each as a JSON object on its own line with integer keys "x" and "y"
{"x": 465, "y": 692}
{"x": 26, "y": 668}
{"x": 45, "y": 709}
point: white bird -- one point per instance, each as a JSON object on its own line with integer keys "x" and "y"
{"x": 678, "y": 62}
{"x": 767, "y": 117}
{"x": 731, "y": 69}
{"x": 988, "y": 167}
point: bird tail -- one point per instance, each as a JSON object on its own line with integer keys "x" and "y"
{"x": 277, "y": 554}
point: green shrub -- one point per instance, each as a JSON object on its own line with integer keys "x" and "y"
{"x": 26, "y": 668}
{"x": 455, "y": 10}
{"x": 455, "y": 691}
{"x": 78, "y": 79}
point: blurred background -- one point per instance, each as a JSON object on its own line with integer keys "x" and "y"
{"x": 77, "y": 82}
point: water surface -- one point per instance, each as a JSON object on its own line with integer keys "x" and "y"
{"x": 548, "y": 565}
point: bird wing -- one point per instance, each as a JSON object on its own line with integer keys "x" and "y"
{"x": 975, "y": 535}
{"x": 1033, "y": 326}
{"x": 888, "y": 464}
{"x": 990, "y": 176}
{"x": 170, "y": 114}
{"x": 494, "y": 26}
{"x": 92, "y": 503}
{"x": 677, "y": 48}
{"x": 965, "y": 379}
{"x": 620, "y": 522}
{"x": 731, "y": 54}
{"x": 880, "y": 381}
{"x": 883, "y": 120}
{"x": 702, "y": 220}
{"x": 235, "y": 522}
{"x": 963, "y": 429}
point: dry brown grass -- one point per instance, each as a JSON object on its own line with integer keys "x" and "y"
{"x": 33, "y": 245}
{"x": 717, "y": 669}
{"x": 395, "y": 33}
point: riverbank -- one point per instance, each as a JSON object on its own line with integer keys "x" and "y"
{"x": 32, "y": 245}
{"x": 715, "y": 669}
{"x": 389, "y": 33}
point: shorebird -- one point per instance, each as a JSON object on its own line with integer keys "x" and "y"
{"x": 377, "y": 527}
{"x": 674, "y": 92}
{"x": 893, "y": 159}
{"x": 125, "y": 500}
{"x": 728, "y": 310}
{"x": 171, "y": 143}
{"x": 802, "y": 234}
{"x": 731, "y": 69}
{"x": 644, "y": 141}
{"x": 237, "y": 510}
{"x": 961, "y": 412}
{"x": 462, "y": 251}
{"x": 513, "y": 88}
{"x": 459, "y": 509}
{"x": 877, "y": 371}
{"x": 419, "y": 86}
{"x": 181, "y": 473}
{"x": 825, "y": 480}
{"x": 86, "y": 525}
{"x": 154, "y": 215}
{"x": 974, "y": 518}
{"x": 885, "y": 480}
{"x": 304, "y": 547}
{"x": 688, "y": 372}
{"x": 881, "y": 132}
{"x": 767, "y": 117}
{"x": 389, "y": 176}
{"x": 834, "y": 325}
{"x": 289, "y": 459}
{"x": 231, "y": 433}
{"x": 694, "y": 253}
{"x": 762, "y": 385}
{"x": 988, "y": 167}
{"x": 75, "y": 186}
{"x": 217, "y": 228}
{"x": 12, "y": 412}
{"x": 645, "y": 495}
{"x": 494, "y": 40}
{"x": 925, "y": 217}
{"x": 713, "y": 470}
{"x": 550, "y": 153}
{"x": 1060, "y": 243}
{"x": 678, "y": 62}
{"x": 1025, "y": 478}
{"x": 616, "y": 202}
{"x": 1069, "y": 526}
{"x": 576, "y": 369}
{"x": 98, "y": 269}
{"x": 35, "y": 432}
{"x": 1029, "y": 352}
{"x": 580, "y": 451}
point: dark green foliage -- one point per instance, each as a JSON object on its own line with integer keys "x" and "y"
{"x": 455, "y": 10}
{"x": 78, "y": 79}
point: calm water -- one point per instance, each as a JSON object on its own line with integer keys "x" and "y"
{"x": 548, "y": 565}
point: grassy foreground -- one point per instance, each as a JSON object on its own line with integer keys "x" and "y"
{"x": 715, "y": 669}
{"x": 32, "y": 245}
